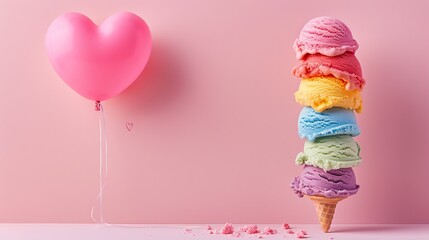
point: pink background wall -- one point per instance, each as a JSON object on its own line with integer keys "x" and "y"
{"x": 215, "y": 132}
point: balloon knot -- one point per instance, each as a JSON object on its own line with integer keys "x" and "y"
{"x": 97, "y": 106}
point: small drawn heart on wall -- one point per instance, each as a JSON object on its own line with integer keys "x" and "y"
{"x": 129, "y": 126}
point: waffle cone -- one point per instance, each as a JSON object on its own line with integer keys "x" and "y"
{"x": 325, "y": 208}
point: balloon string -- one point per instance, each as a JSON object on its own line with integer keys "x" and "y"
{"x": 103, "y": 176}
{"x": 102, "y": 163}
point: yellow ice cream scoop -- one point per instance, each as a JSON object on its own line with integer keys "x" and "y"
{"x": 325, "y": 92}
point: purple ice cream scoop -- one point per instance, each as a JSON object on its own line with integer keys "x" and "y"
{"x": 333, "y": 183}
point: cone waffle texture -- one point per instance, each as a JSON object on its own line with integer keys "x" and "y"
{"x": 325, "y": 208}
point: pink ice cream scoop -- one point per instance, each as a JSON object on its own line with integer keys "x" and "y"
{"x": 345, "y": 67}
{"x": 325, "y": 35}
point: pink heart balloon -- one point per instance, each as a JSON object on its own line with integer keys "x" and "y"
{"x": 98, "y": 62}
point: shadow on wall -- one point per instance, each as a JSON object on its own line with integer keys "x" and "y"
{"x": 159, "y": 84}
{"x": 395, "y": 136}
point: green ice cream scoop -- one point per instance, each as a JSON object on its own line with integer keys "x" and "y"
{"x": 333, "y": 152}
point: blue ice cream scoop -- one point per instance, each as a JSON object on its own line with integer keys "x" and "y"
{"x": 333, "y": 121}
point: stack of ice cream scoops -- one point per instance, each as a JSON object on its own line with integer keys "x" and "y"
{"x": 330, "y": 91}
